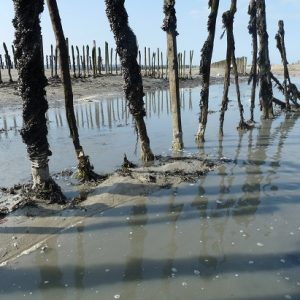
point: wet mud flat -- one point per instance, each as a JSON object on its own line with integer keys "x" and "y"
{"x": 231, "y": 233}
{"x": 124, "y": 185}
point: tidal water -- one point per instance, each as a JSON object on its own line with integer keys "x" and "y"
{"x": 234, "y": 234}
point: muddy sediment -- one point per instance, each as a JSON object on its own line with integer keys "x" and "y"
{"x": 31, "y": 221}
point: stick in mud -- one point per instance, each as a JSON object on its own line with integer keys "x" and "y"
{"x": 205, "y": 65}
{"x": 83, "y": 62}
{"x": 228, "y": 19}
{"x": 252, "y": 28}
{"x": 1, "y": 81}
{"x": 106, "y": 59}
{"x": 290, "y": 89}
{"x": 78, "y": 62}
{"x": 8, "y": 63}
{"x": 99, "y": 61}
{"x": 111, "y": 60}
{"x": 116, "y": 62}
{"x": 51, "y": 61}
{"x": 32, "y": 88}
{"x": 191, "y": 63}
{"x": 88, "y": 60}
{"x": 14, "y": 56}
{"x": 170, "y": 27}
{"x": 266, "y": 89}
{"x": 85, "y": 169}
{"x": 145, "y": 61}
{"x": 127, "y": 49}
{"x": 73, "y": 60}
{"x": 56, "y": 62}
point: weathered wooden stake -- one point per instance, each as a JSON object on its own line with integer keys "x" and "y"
{"x": 184, "y": 65}
{"x": 56, "y": 62}
{"x": 14, "y": 56}
{"x": 83, "y": 62}
{"x": 252, "y": 27}
{"x": 169, "y": 26}
{"x": 8, "y": 62}
{"x": 51, "y": 62}
{"x": 111, "y": 60}
{"x": 88, "y": 60}
{"x": 191, "y": 63}
{"x": 158, "y": 63}
{"x": 145, "y": 61}
{"x": 266, "y": 89}
{"x": 106, "y": 59}
{"x": 78, "y": 62}
{"x": 127, "y": 49}
{"x": 116, "y": 62}
{"x": 73, "y": 59}
{"x": 149, "y": 62}
{"x": 94, "y": 59}
{"x": 99, "y": 61}
{"x": 162, "y": 65}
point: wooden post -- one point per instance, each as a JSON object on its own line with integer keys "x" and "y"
{"x": 83, "y": 62}
{"x": 191, "y": 62}
{"x": 99, "y": 61}
{"x": 73, "y": 59}
{"x": 47, "y": 62}
{"x": 252, "y": 28}
{"x": 184, "y": 65}
{"x": 8, "y": 62}
{"x": 106, "y": 58}
{"x": 94, "y": 58}
{"x": 51, "y": 62}
{"x": 0, "y": 69}
{"x": 56, "y": 62}
{"x": 162, "y": 65}
{"x": 149, "y": 61}
{"x": 145, "y": 61}
{"x": 78, "y": 61}
{"x": 116, "y": 62}
{"x": 266, "y": 89}
{"x": 167, "y": 67}
{"x": 158, "y": 63}
{"x": 88, "y": 60}
{"x": 154, "y": 64}
{"x": 111, "y": 59}
{"x": 14, "y": 56}
{"x": 169, "y": 26}
{"x": 140, "y": 59}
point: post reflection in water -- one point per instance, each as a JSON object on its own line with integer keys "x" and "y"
{"x": 51, "y": 275}
{"x": 134, "y": 271}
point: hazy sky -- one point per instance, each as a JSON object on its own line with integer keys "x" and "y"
{"x": 85, "y": 21}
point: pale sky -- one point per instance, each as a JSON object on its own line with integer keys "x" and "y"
{"x": 85, "y": 21}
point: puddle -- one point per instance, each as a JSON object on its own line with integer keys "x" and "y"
{"x": 234, "y": 234}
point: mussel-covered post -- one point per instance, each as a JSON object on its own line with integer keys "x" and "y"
{"x": 205, "y": 63}
{"x": 170, "y": 27}
{"x": 32, "y": 82}
{"x": 127, "y": 50}
{"x": 8, "y": 62}
{"x": 85, "y": 169}
{"x": 266, "y": 89}
{"x": 252, "y": 27}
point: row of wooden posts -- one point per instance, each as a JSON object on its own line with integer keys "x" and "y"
{"x": 84, "y": 62}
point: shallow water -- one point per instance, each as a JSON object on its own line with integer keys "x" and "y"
{"x": 232, "y": 235}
